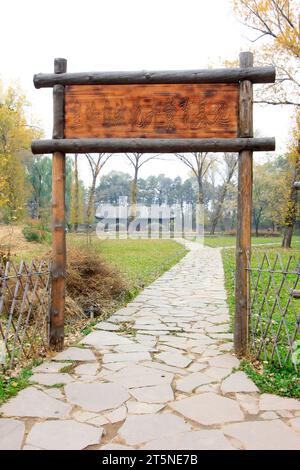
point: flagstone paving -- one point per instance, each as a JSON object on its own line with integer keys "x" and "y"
{"x": 158, "y": 374}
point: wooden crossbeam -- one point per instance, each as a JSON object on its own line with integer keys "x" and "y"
{"x": 225, "y": 75}
{"x": 152, "y": 145}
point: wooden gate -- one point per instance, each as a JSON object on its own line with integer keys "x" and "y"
{"x": 154, "y": 112}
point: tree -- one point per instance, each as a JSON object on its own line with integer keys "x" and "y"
{"x": 39, "y": 177}
{"x": 262, "y": 181}
{"x": 77, "y": 198}
{"x": 291, "y": 205}
{"x": 112, "y": 186}
{"x": 137, "y": 160}
{"x": 278, "y": 170}
{"x": 230, "y": 160}
{"x": 276, "y": 26}
{"x": 199, "y": 164}
{"x": 96, "y": 164}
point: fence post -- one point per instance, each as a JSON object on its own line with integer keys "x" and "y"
{"x": 58, "y": 271}
{"x": 244, "y": 212}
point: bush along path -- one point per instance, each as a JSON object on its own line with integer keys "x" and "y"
{"x": 159, "y": 374}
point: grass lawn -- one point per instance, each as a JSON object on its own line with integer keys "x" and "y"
{"x": 139, "y": 261}
{"x": 270, "y": 375}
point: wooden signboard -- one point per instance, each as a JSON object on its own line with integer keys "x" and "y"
{"x": 151, "y": 111}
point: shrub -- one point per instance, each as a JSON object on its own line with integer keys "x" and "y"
{"x": 36, "y": 231}
{"x": 91, "y": 282}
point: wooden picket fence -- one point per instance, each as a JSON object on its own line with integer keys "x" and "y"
{"x": 274, "y": 308}
{"x": 24, "y": 311}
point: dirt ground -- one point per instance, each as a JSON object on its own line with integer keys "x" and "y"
{"x": 12, "y": 240}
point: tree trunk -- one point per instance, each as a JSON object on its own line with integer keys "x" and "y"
{"x": 200, "y": 192}
{"x": 287, "y": 237}
{"x": 90, "y": 208}
{"x": 290, "y": 217}
{"x": 218, "y": 211}
{"x": 199, "y": 211}
{"x": 134, "y": 191}
{"x": 213, "y": 226}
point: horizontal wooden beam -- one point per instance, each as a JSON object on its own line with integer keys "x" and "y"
{"x": 152, "y": 145}
{"x": 225, "y": 75}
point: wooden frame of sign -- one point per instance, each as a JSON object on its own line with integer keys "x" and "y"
{"x": 153, "y": 112}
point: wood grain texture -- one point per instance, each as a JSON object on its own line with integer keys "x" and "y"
{"x": 59, "y": 254}
{"x": 244, "y": 214}
{"x": 224, "y": 75}
{"x": 151, "y": 145}
{"x": 151, "y": 111}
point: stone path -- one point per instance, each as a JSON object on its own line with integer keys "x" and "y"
{"x": 159, "y": 374}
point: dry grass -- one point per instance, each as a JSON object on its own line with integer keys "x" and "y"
{"x": 92, "y": 283}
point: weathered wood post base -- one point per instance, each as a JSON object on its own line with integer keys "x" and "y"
{"x": 244, "y": 213}
{"x": 58, "y": 272}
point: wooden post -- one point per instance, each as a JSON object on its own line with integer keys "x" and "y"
{"x": 244, "y": 212}
{"x": 57, "y": 308}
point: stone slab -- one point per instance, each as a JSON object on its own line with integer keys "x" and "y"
{"x": 98, "y": 339}
{"x": 51, "y": 379}
{"x": 11, "y": 434}
{"x": 138, "y": 376}
{"x": 174, "y": 359}
{"x": 138, "y": 408}
{"x": 135, "y": 347}
{"x": 113, "y": 446}
{"x": 126, "y": 357}
{"x": 63, "y": 435}
{"x": 86, "y": 369}
{"x": 75, "y": 354}
{"x": 238, "y": 382}
{"x": 117, "y": 415}
{"x": 156, "y": 394}
{"x": 192, "y": 440}
{"x": 224, "y": 360}
{"x": 106, "y": 326}
{"x": 192, "y": 381}
{"x": 96, "y": 396}
{"x": 264, "y": 435}
{"x": 50, "y": 367}
{"x": 270, "y": 402}
{"x": 139, "y": 429}
{"x": 295, "y": 423}
{"x": 31, "y": 402}
{"x": 209, "y": 409}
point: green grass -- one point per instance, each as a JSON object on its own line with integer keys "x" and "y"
{"x": 139, "y": 261}
{"x": 274, "y": 377}
{"x": 230, "y": 241}
{"x": 228, "y": 257}
{"x": 271, "y": 379}
{"x": 10, "y": 386}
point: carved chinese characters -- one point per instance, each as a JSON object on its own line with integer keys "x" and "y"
{"x": 156, "y": 111}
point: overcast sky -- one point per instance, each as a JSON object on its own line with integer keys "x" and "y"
{"x": 107, "y": 35}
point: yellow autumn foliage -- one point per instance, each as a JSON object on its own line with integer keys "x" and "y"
{"x": 15, "y": 141}
{"x": 276, "y": 41}
{"x": 278, "y": 19}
